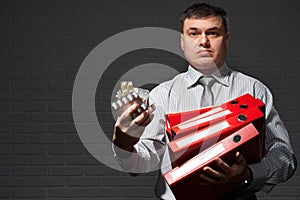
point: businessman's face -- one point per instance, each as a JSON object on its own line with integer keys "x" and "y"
{"x": 204, "y": 43}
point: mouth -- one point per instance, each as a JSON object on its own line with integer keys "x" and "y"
{"x": 204, "y": 53}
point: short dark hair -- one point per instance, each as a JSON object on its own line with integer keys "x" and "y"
{"x": 202, "y": 10}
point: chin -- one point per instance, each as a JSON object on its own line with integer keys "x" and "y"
{"x": 205, "y": 64}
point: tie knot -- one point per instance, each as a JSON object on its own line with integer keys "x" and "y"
{"x": 206, "y": 80}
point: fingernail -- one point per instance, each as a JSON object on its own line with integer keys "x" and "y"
{"x": 151, "y": 108}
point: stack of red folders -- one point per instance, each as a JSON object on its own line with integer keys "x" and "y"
{"x": 198, "y": 137}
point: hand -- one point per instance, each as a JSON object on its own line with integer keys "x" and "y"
{"x": 127, "y": 131}
{"x": 236, "y": 173}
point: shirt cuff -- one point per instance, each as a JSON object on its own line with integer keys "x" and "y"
{"x": 259, "y": 176}
{"x": 125, "y": 158}
{"x": 118, "y": 152}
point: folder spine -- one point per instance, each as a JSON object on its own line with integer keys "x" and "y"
{"x": 204, "y": 138}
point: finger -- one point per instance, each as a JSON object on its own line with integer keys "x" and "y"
{"x": 134, "y": 130}
{"x": 140, "y": 119}
{"x": 142, "y": 124}
{"x": 223, "y": 166}
{"x": 207, "y": 180}
{"x": 143, "y": 118}
{"x": 203, "y": 182}
{"x": 240, "y": 160}
{"x": 147, "y": 120}
{"x": 126, "y": 116}
{"x": 151, "y": 108}
{"x": 215, "y": 175}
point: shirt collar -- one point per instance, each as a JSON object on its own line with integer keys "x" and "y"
{"x": 221, "y": 75}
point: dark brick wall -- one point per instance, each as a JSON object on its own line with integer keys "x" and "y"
{"x": 42, "y": 45}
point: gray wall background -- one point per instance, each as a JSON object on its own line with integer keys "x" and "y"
{"x": 42, "y": 45}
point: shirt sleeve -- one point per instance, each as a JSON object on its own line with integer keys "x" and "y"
{"x": 150, "y": 149}
{"x": 280, "y": 163}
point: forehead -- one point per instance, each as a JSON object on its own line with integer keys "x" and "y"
{"x": 203, "y": 23}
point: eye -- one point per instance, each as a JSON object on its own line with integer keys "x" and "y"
{"x": 193, "y": 34}
{"x": 212, "y": 33}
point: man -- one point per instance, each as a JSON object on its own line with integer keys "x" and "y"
{"x": 140, "y": 143}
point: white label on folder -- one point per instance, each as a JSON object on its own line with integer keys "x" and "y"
{"x": 202, "y": 134}
{"x": 200, "y": 159}
{"x": 211, "y": 112}
{"x": 205, "y": 119}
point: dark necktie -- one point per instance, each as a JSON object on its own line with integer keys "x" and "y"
{"x": 207, "y": 96}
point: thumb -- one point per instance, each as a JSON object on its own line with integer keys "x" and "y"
{"x": 240, "y": 158}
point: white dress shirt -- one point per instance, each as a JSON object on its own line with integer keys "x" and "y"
{"x": 183, "y": 94}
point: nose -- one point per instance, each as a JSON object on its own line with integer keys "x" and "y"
{"x": 204, "y": 40}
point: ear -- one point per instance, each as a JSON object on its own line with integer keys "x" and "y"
{"x": 227, "y": 37}
{"x": 182, "y": 42}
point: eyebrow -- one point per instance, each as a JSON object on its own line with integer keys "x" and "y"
{"x": 210, "y": 29}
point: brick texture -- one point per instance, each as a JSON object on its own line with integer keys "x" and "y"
{"x": 42, "y": 45}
